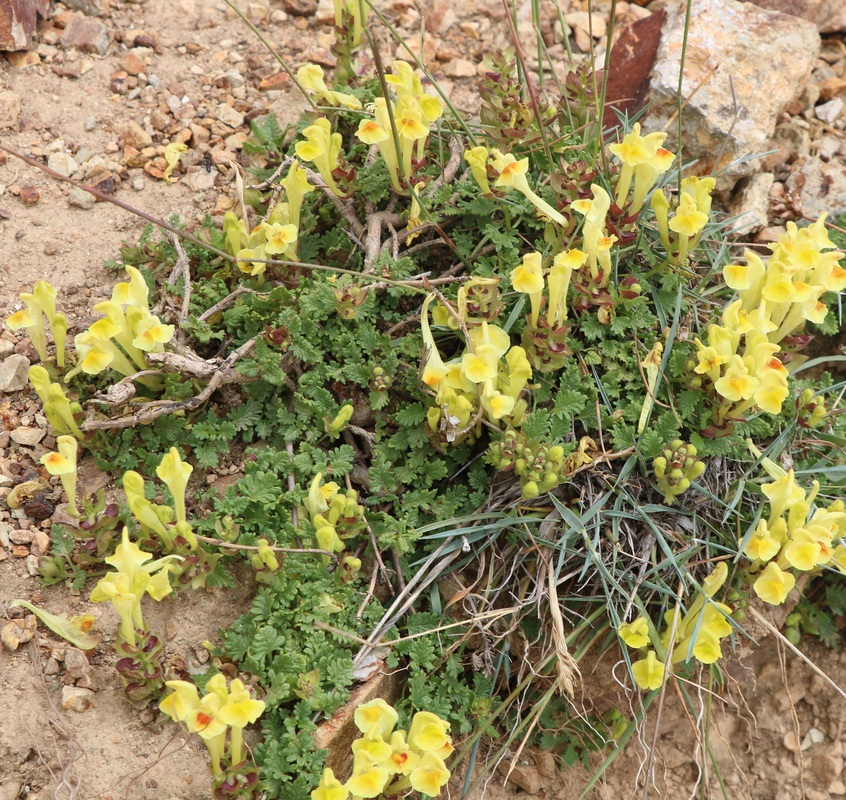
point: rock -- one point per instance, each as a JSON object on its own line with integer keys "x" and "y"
{"x": 523, "y": 776}
{"x": 632, "y": 59}
{"x": 837, "y": 787}
{"x": 13, "y": 373}
{"x": 91, "y": 8}
{"x": 78, "y": 669}
{"x": 10, "y": 108}
{"x": 300, "y": 8}
{"x": 88, "y": 35}
{"x": 828, "y": 15}
{"x": 813, "y": 737}
{"x": 589, "y": 23}
{"x": 132, "y": 64}
{"x": 6, "y": 348}
{"x": 198, "y": 179}
{"x": 828, "y": 147}
{"x": 751, "y": 204}
{"x": 766, "y": 57}
{"x": 21, "y": 537}
{"x": 229, "y": 116}
{"x": 830, "y": 112}
{"x": 79, "y": 198}
{"x": 29, "y": 437}
{"x": 460, "y": 68}
{"x": 819, "y": 186}
{"x": 23, "y": 59}
{"x": 133, "y": 135}
{"x": 17, "y": 22}
{"x": 545, "y": 763}
{"x": 826, "y": 768}
{"x": 18, "y": 631}
{"x": 62, "y": 163}
{"x": 10, "y": 789}
{"x": 76, "y": 698}
{"x": 40, "y": 543}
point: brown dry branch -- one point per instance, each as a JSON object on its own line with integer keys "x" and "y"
{"x": 221, "y": 372}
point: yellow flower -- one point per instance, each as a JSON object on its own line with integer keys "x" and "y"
{"x": 240, "y": 709}
{"x": 402, "y": 760}
{"x": 648, "y": 673}
{"x": 761, "y": 545}
{"x": 636, "y": 633}
{"x": 783, "y": 493}
{"x": 368, "y": 779}
{"x": 688, "y": 220}
{"x": 477, "y": 159}
{"x": 371, "y": 132}
{"x": 322, "y": 147}
{"x": 428, "y": 732}
{"x": 512, "y": 175}
{"x": 430, "y": 775}
{"x": 203, "y": 718}
{"x": 737, "y": 384}
{"x": 280, "y": 238}
{"x": 774, "y": 584}
{"x": 376, "y": 712}
{"x": 184, "y": 699}
{"x": 329, "y": 788}
{"x": 528, "y": 279}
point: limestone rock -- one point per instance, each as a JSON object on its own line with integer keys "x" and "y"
{"x": 75, "y": 698}
{"x": 767, "y": 57}
{"x": 91, "y": 8}
{"x": 828, "y": 15}
{"x": 229, "y": 116}
{"x": 88, "y": 35}
{"x": 10, "y": 109}
{"x": 13, "y": 373}
{"x": 751, "y": 204}
{"x": 133, "y": 135}
{"x": 17, "y": 22}
{"x": 819, "y": 186}
{"x": 15, "y": 633}
{"x": 79, "y": 198}
{"x": 62, "y": 163}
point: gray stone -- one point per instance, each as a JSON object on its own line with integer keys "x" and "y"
{"x": 830, "y": 112}
{"x": 29, "y": 437}
{"x": 198, "y": 179}
{"x": 132, "y": 134}
{"x": 88, "y": 35}
{"x": 62, "y": 163}
{"x": 13, "y": 373}
{"x": 751, "y": 204}
{"x": 820, "y": 187}
{"x": 91, "y": 8}
{"x": 75, "y": 698}
{"x": 828, "y": 147}
{"x": 79, "y": 198}
{"x": 828, "y": 15}
{"x": 766, "y": 57}
{"x": 6, "y": 348}
{"x": 10, "y": 109}
{"x": 90, "y": 123}
{"x": 229, "y": 116}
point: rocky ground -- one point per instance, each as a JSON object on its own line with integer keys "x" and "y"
{"x": 107, "y": 85}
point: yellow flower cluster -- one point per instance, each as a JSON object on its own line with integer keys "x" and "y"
{"x": 544, "y": 338}
{"x": 58, "y": 408}
{"x": 276, "y": 236}
{"x": 488, "y": 376}
{"x": 220, "y": 709}
{"x": 39, "y": 304}
{"x": 697, "y": 635}
{"x": 413, "y": 114}
{"x": 169, "y": 524}
{"x": 127, "y": 331}
{"x": 132, "y": 579}
{"x": 792, "y": 536}
{"x": 310, "y": 78}
{"x": 389, "y": 762}
{"x": 643, "y": 159}
{"x": 336, "y": 516}
{"x": 775, "y": 300}
{"x": 688, "y": 221}
{"x": 511, "y": 175}
{"x": 596, "y": 240}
